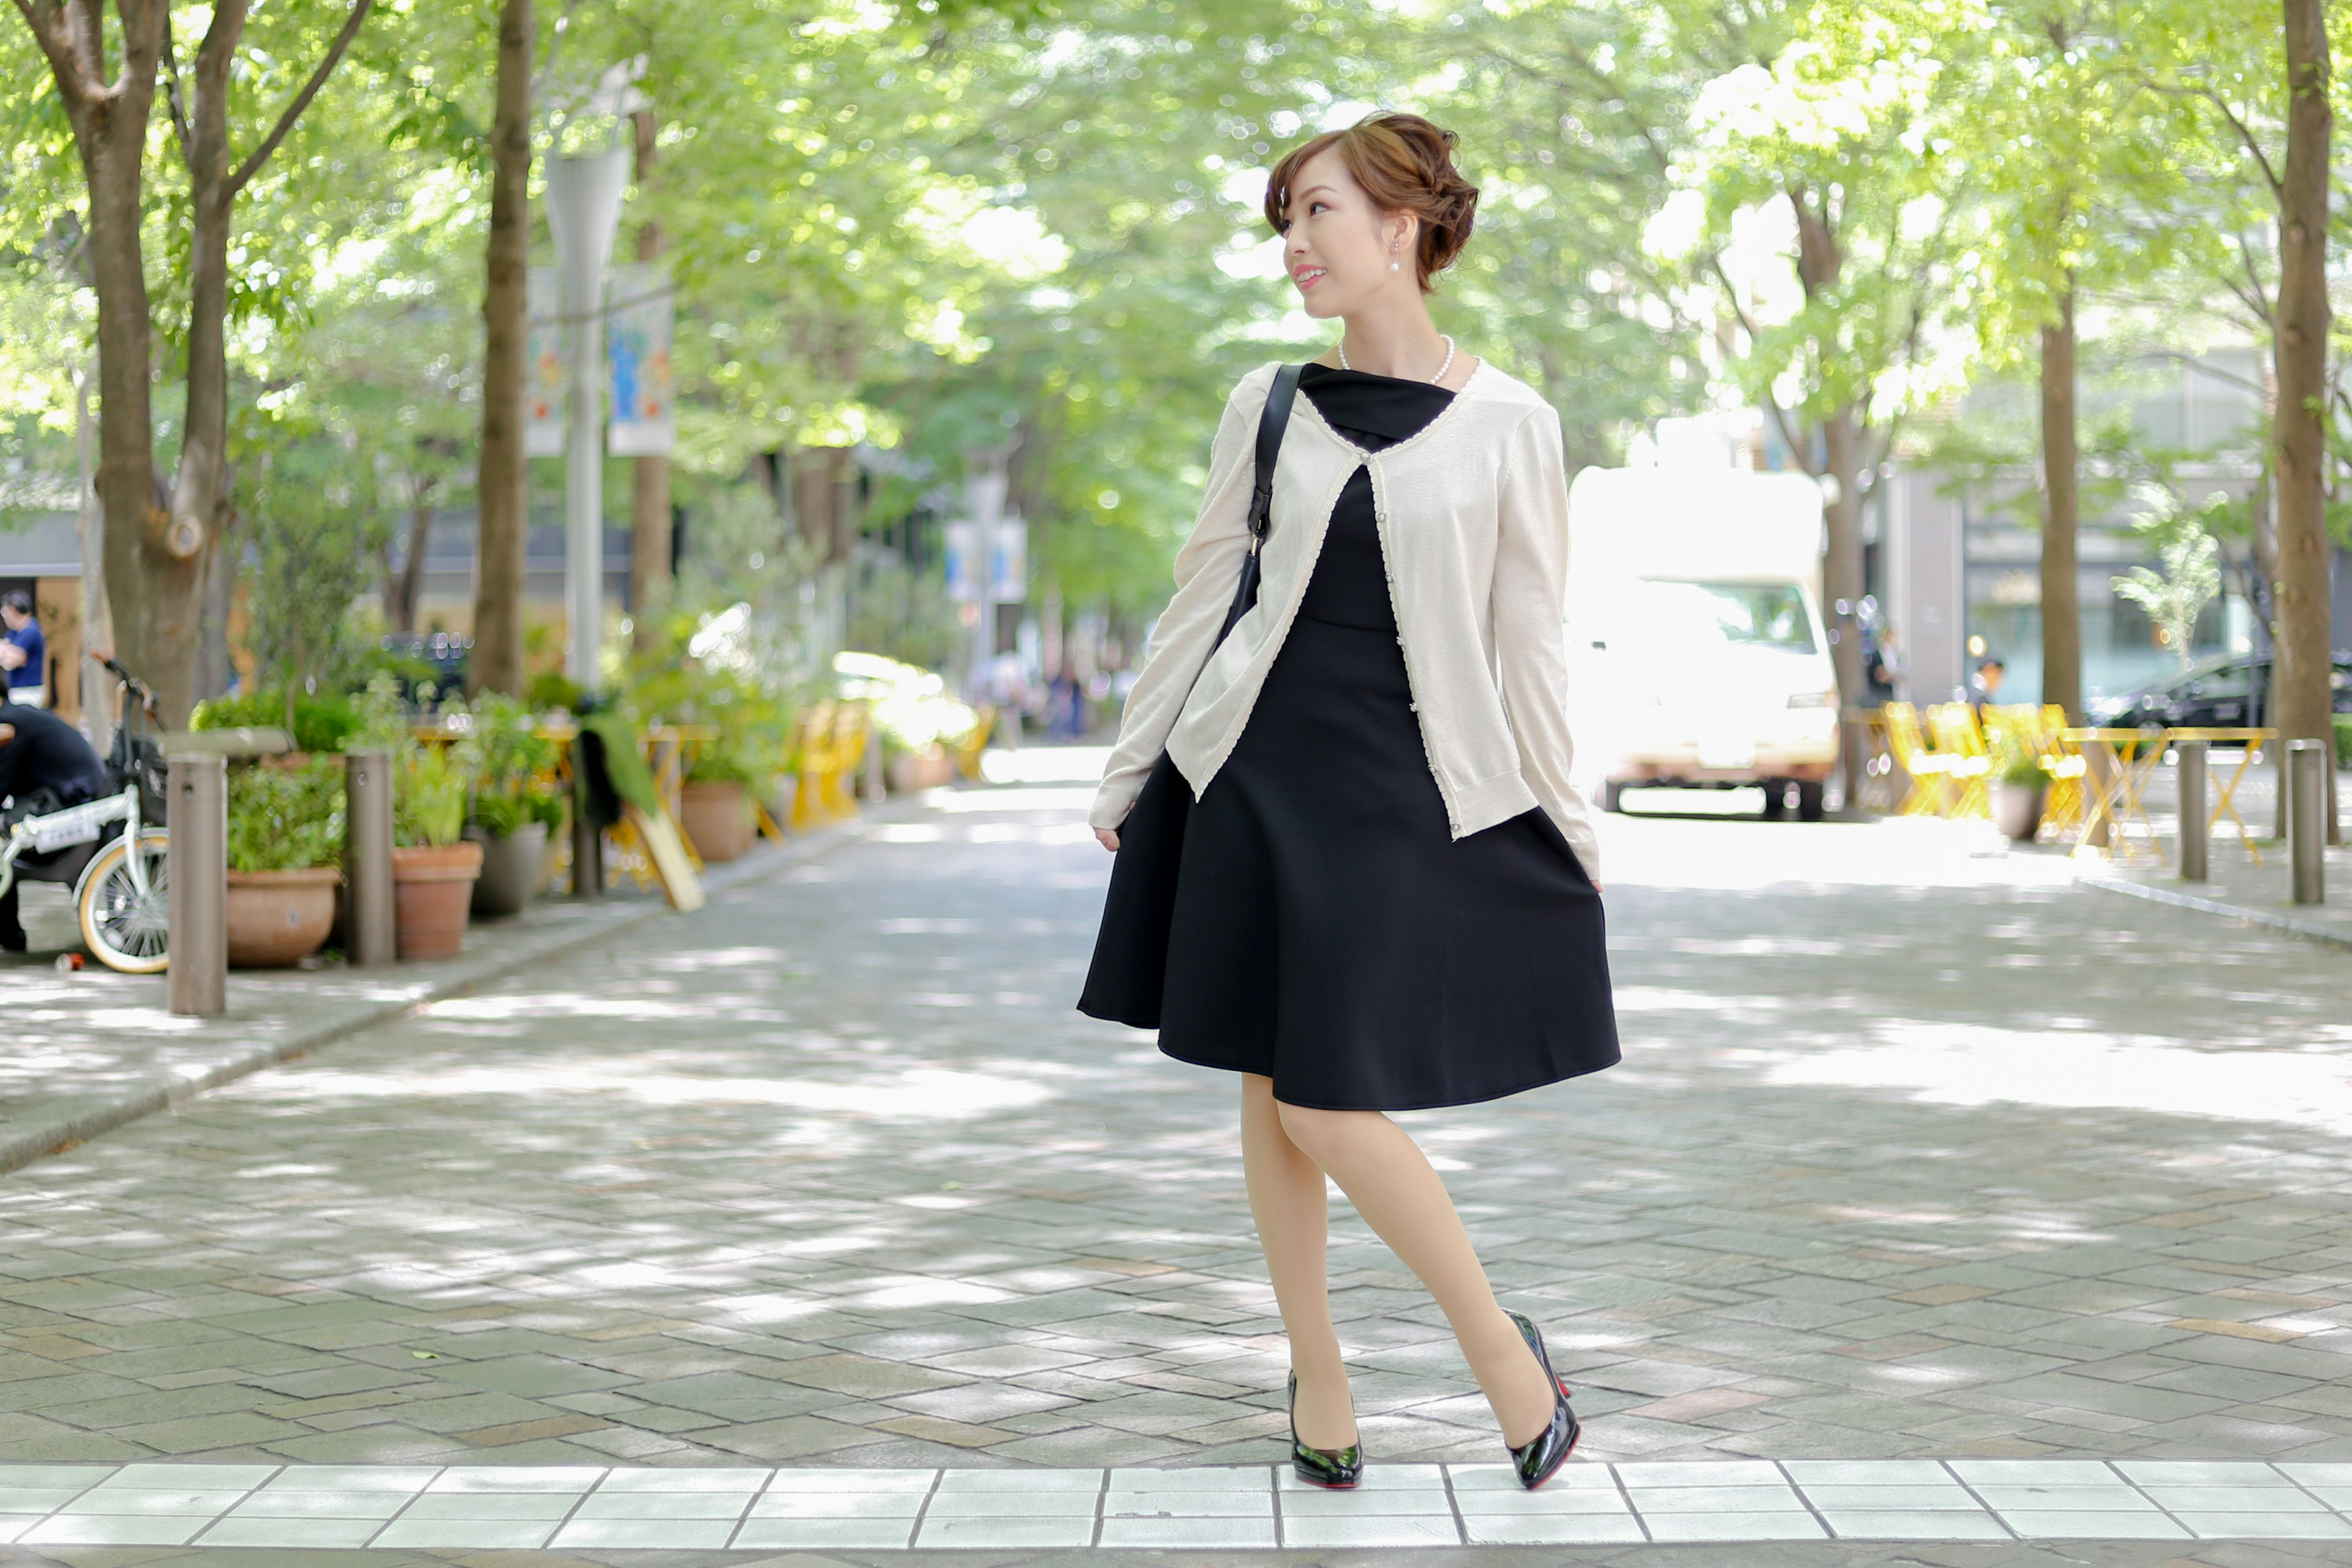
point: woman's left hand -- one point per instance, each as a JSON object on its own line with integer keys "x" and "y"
{"x": 1107, "y": 839}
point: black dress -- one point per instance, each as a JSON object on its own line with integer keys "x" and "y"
{"x": 1329, "y": 933}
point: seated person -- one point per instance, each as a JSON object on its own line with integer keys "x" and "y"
{"x": 45, "y": 765}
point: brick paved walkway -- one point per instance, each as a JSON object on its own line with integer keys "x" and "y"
{"x": 1907, "y": 1160}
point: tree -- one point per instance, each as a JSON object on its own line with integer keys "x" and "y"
{"x": 2068, "y": 147}
{"x": 158, "y": 534}
{"x": 2258, "y": 119}
{"x": 502, "y": 489}
{"x": 1842, "y": 120}
{"x": 2305, "y": 699}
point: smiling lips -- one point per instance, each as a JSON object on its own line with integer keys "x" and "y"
{"x": 1307, "y": 277}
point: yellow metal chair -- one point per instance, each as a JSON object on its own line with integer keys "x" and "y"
{"x": 967, "y": 751}
{"x": 1953, "y": 727}
{"x": 813, "y": 746}
{"x": 1929, "y": 770}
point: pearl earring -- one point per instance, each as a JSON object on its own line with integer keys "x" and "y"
{"x": 1392, "y": 266}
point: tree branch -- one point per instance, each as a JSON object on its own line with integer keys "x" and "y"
{"x": 278, "y": 132}
{"x": 48, "y": 21}
{"x": 2245, "y": 135}
{"x": 173, "y": 93}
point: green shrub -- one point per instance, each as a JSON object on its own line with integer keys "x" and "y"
{"x": 2344, "y": 740}
{"x": 499, "y": 812}
{"x": 429, "y": 788}
{"x": 513, "y": 759}
{"x": 285, "y": 819}
{"x": 322, "y": 722}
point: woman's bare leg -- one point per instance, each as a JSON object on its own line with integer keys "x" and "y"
{"x": 1287, "y": 1200}
{"x": 1403, "y": 1198}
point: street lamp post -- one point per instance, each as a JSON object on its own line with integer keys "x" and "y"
{"x": 984, "y": 497}
{"x": 583, "y": 207}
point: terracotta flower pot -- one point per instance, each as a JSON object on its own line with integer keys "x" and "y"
{"x": 277, "y": 918}
{"x": 432, "y": 889}
{"x": 717, "y": 818}
{"x": 926, "y": 769}
{"x": 511, "y": 868}
{"x": 2017, "y": 810}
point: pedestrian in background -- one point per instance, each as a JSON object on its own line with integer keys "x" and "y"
{"x": 23, "y": 652}
{"x": 1351, "y": 866}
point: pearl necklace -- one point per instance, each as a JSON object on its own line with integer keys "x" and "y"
{"x": 1434, "y": 379}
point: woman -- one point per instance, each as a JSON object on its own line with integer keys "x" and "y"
{"x": 1384, "y": 897}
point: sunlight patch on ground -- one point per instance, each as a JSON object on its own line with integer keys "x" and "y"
{"x": 928, "y": 1093}
{"x": 1972, "y": 1065}
{"x": 1046, "y": 764}
{"x": 1733, "y": 856}
{"x": 1070, "y": 802}
{"x": 1660, "y": 999}
{"x": 983, "y": 833}
{"x": 562, "y": 1004}
{"x": 923, "y": 1291}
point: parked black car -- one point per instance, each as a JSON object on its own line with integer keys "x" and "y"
{"x": 2224, "y": 693}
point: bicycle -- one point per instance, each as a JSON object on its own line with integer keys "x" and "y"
{"x": 118, "y": 863}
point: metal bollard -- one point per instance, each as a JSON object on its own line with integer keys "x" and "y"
{"x": 2306, "y": 773}
{"x": 875, "y": 788}
{"x": 368, "y": 918}
{"x": 2194, "y": 816}
{"x": 199, "y": 893}
{"x": 587, "y": 843}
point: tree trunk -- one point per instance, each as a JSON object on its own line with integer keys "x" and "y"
{"x": 1842, "y": 580}
{"x": 2301, "y": 354}
{"x": 111, "y": 135}
{"x": 815, "y": 476}
{"x": 89, "y": 528}
{"x": 2062, "y": 614}
{"x": 214, "y": 668}
{"x": 503, "y": 490}
{"x": 649, "y": 545}
{"x": 409, "y": 586}
{"x": 199, "y": 492}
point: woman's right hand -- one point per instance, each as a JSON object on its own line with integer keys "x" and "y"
{"x": 1108, "y": 838}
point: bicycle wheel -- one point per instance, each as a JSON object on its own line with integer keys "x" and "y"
{"x": 125, "y": 929}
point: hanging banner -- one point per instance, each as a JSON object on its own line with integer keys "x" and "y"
{"x": 637, "y": 354}
{"x": 962, "y": 541}
{"x": 544, "y": 381}
{"x": 1008, "y": 563}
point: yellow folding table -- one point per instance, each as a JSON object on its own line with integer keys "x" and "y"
{"x": 2251, "y": 742}
{"x": 2117, "y": 766}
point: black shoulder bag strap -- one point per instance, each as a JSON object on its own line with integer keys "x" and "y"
{"x": 1271, "y": 424}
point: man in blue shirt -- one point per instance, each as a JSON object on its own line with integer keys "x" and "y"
{"x": 22, "y": 654}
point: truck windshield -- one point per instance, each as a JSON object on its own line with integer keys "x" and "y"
{"x": 1771, "y": 614}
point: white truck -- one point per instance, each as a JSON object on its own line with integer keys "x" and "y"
{"x": 1698, "y": 656}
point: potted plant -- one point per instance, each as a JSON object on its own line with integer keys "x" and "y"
{"x": 285, "y": 858}
{"x": 514, "y": 811}
{"x": 433, "y": 865}
{"x": 2019, "y": 787}
{"x": 708, "y": 673}
{"x": 714, "y": 805}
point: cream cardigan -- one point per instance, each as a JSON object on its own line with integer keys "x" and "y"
{"x": 1472, "y": 517}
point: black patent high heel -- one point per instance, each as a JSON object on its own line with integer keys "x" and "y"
{"x": 1537, "y": 1460}
{"x": 1336, "y": 1469}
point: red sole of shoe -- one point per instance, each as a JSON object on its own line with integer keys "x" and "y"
{"x": 1566, "y": 1454}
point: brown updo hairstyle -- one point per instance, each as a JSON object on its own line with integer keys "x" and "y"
{"x": 1406, "y": 164}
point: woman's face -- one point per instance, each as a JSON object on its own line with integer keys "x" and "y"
{"x": 1339, "y": 245}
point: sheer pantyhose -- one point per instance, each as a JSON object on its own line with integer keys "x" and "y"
{"x": 1287, "y": 1152}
